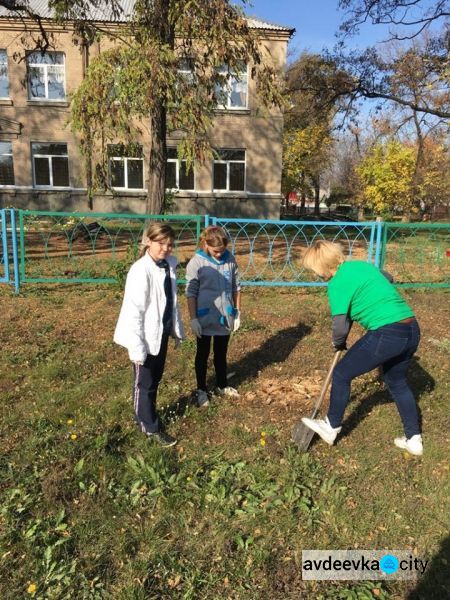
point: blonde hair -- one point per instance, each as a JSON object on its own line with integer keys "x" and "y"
{"x": 213, "y": 236}
{"x": 156, "y": 232}
{"x": 323, "y": 257}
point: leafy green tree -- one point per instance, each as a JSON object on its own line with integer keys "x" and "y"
{"x": 139, "y": 83}
{"x": 307, "y": 137}
{"x": 387, "y": 174}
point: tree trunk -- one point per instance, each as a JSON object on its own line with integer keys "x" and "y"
{"x": 164, "y": 32}
{"x": 157, "y": 161}
{"x": 316, "y": 183}
{"x": 302, "y": 194}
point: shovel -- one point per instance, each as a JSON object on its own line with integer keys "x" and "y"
{"x": 302, "y": 435}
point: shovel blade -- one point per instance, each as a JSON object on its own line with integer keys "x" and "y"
{"x": 302, "y": 436}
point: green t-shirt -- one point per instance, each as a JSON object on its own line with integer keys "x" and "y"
{"x": 361, "y": 291}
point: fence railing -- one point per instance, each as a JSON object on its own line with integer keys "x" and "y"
{"x": 417, "y": 254}
{"x": 4, "y": 254}
{"x": 59, "y": 247}
{"x": 270, "y": 253}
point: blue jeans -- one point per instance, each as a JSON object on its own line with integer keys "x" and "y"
{"x": 390, "y": 347}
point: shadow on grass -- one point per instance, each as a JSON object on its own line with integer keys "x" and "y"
{"x": 420, "y": 382}
{"x": 276, "y": 349}
{"x": 433, "y": 585}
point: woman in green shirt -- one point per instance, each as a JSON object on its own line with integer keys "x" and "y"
{"x": 358, "y": 291}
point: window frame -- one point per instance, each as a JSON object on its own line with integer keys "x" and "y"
{"x": 3, "y": 50}
{"x": 227, "y": 89}
{"x": 45, "y": 66}
{"x": 125, "y": 160}
{"x": 50, "y": 157}
{"x": 11, "y": 154}
{"x": 227, "y": 163}
{"x": 187, "y": 72}
{"x": 178, "y": 162}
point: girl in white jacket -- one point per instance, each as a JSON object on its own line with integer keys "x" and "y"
{"x": 148, "y": 317}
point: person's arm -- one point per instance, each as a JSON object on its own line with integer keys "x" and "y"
{"x": 237, "y": 300}
{"x": 192, "y": 307}
{"x": 192, "y": 288}
{"x": 387, "y": 275}
{"x": 341, "y": 325}
{"x": 135, "y": 305}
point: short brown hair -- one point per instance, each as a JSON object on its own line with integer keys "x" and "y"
{"x": 323, "y": 257}
{"x": 213, "y": 236}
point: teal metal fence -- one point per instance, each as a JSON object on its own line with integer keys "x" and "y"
{"x": 271, "y": 252}
{"x": 4, "y": 254}
{"x": 58, "y": 247}
{"x": 63, "y": 247}
{"x": 417, "y": 254}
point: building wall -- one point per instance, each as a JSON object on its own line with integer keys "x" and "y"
{"x": 257, "y": 130}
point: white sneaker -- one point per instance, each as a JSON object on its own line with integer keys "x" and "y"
{"x": 413, "y": 445}
{"x": 323, "y": 428}
{"x": 202, "y": 399}
{"x": 227, "y": 391}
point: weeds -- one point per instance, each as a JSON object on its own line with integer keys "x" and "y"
{"x": 91, "y": 510}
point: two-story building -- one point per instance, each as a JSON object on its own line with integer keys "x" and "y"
{"x": 40, "y": 162}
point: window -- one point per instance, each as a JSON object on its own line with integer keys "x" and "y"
{"x": 177, "y": 175}
{"x": 4, "y": 84}
{"x": 50, "y": 165}
{"x": 6, "y": 164}
{"x": 186, "y": 69}
{"x": 46, "y": 79}
{"x": 229, "y": 171}
{"x": 126, "y": 167}
{"x": 232, "y": 93}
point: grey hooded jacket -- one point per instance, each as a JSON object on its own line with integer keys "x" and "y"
{"x": 213, "y": 284}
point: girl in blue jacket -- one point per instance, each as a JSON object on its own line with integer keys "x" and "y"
{"x": 214, "y": 300}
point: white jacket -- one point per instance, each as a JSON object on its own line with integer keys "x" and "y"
{"x": 139, "y": 327}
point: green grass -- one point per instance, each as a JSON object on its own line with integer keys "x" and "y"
{"x": 90, "y": 509}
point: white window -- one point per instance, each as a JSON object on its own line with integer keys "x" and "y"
{"x": 4, "y": 83}
{"x": 50, "y": 164}
{"x": 6, "y": 164}
{"x": 186, "y": 69}
{"x": 229, "y": 171}
{"x": 177, "y": 175}
{"x": 126, "y": 167}
{"x": 234, "y": 92}
{"x": 46, "y": 78}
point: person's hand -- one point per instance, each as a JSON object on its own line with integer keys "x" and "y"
{"x": 237, "y": 320}
{"x": 340, "y": 347}
{"x": 196, "y": 328}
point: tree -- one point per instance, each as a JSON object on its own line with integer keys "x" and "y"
{"x": 387, "y": 177}
{"x": 415, "y": 15}
{"x": 36, "y": 31}
{"x": 139, "y": 83}
{"x": 306, "y": 154}
{"x": 307, "y": 138}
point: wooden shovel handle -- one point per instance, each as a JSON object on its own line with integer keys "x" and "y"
{"x": 326, "y": 383}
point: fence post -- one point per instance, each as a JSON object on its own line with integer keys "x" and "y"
{"x": 5, "y": 251}
{"x": 379, "y": 246}
{"x": 15, "y": 250}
